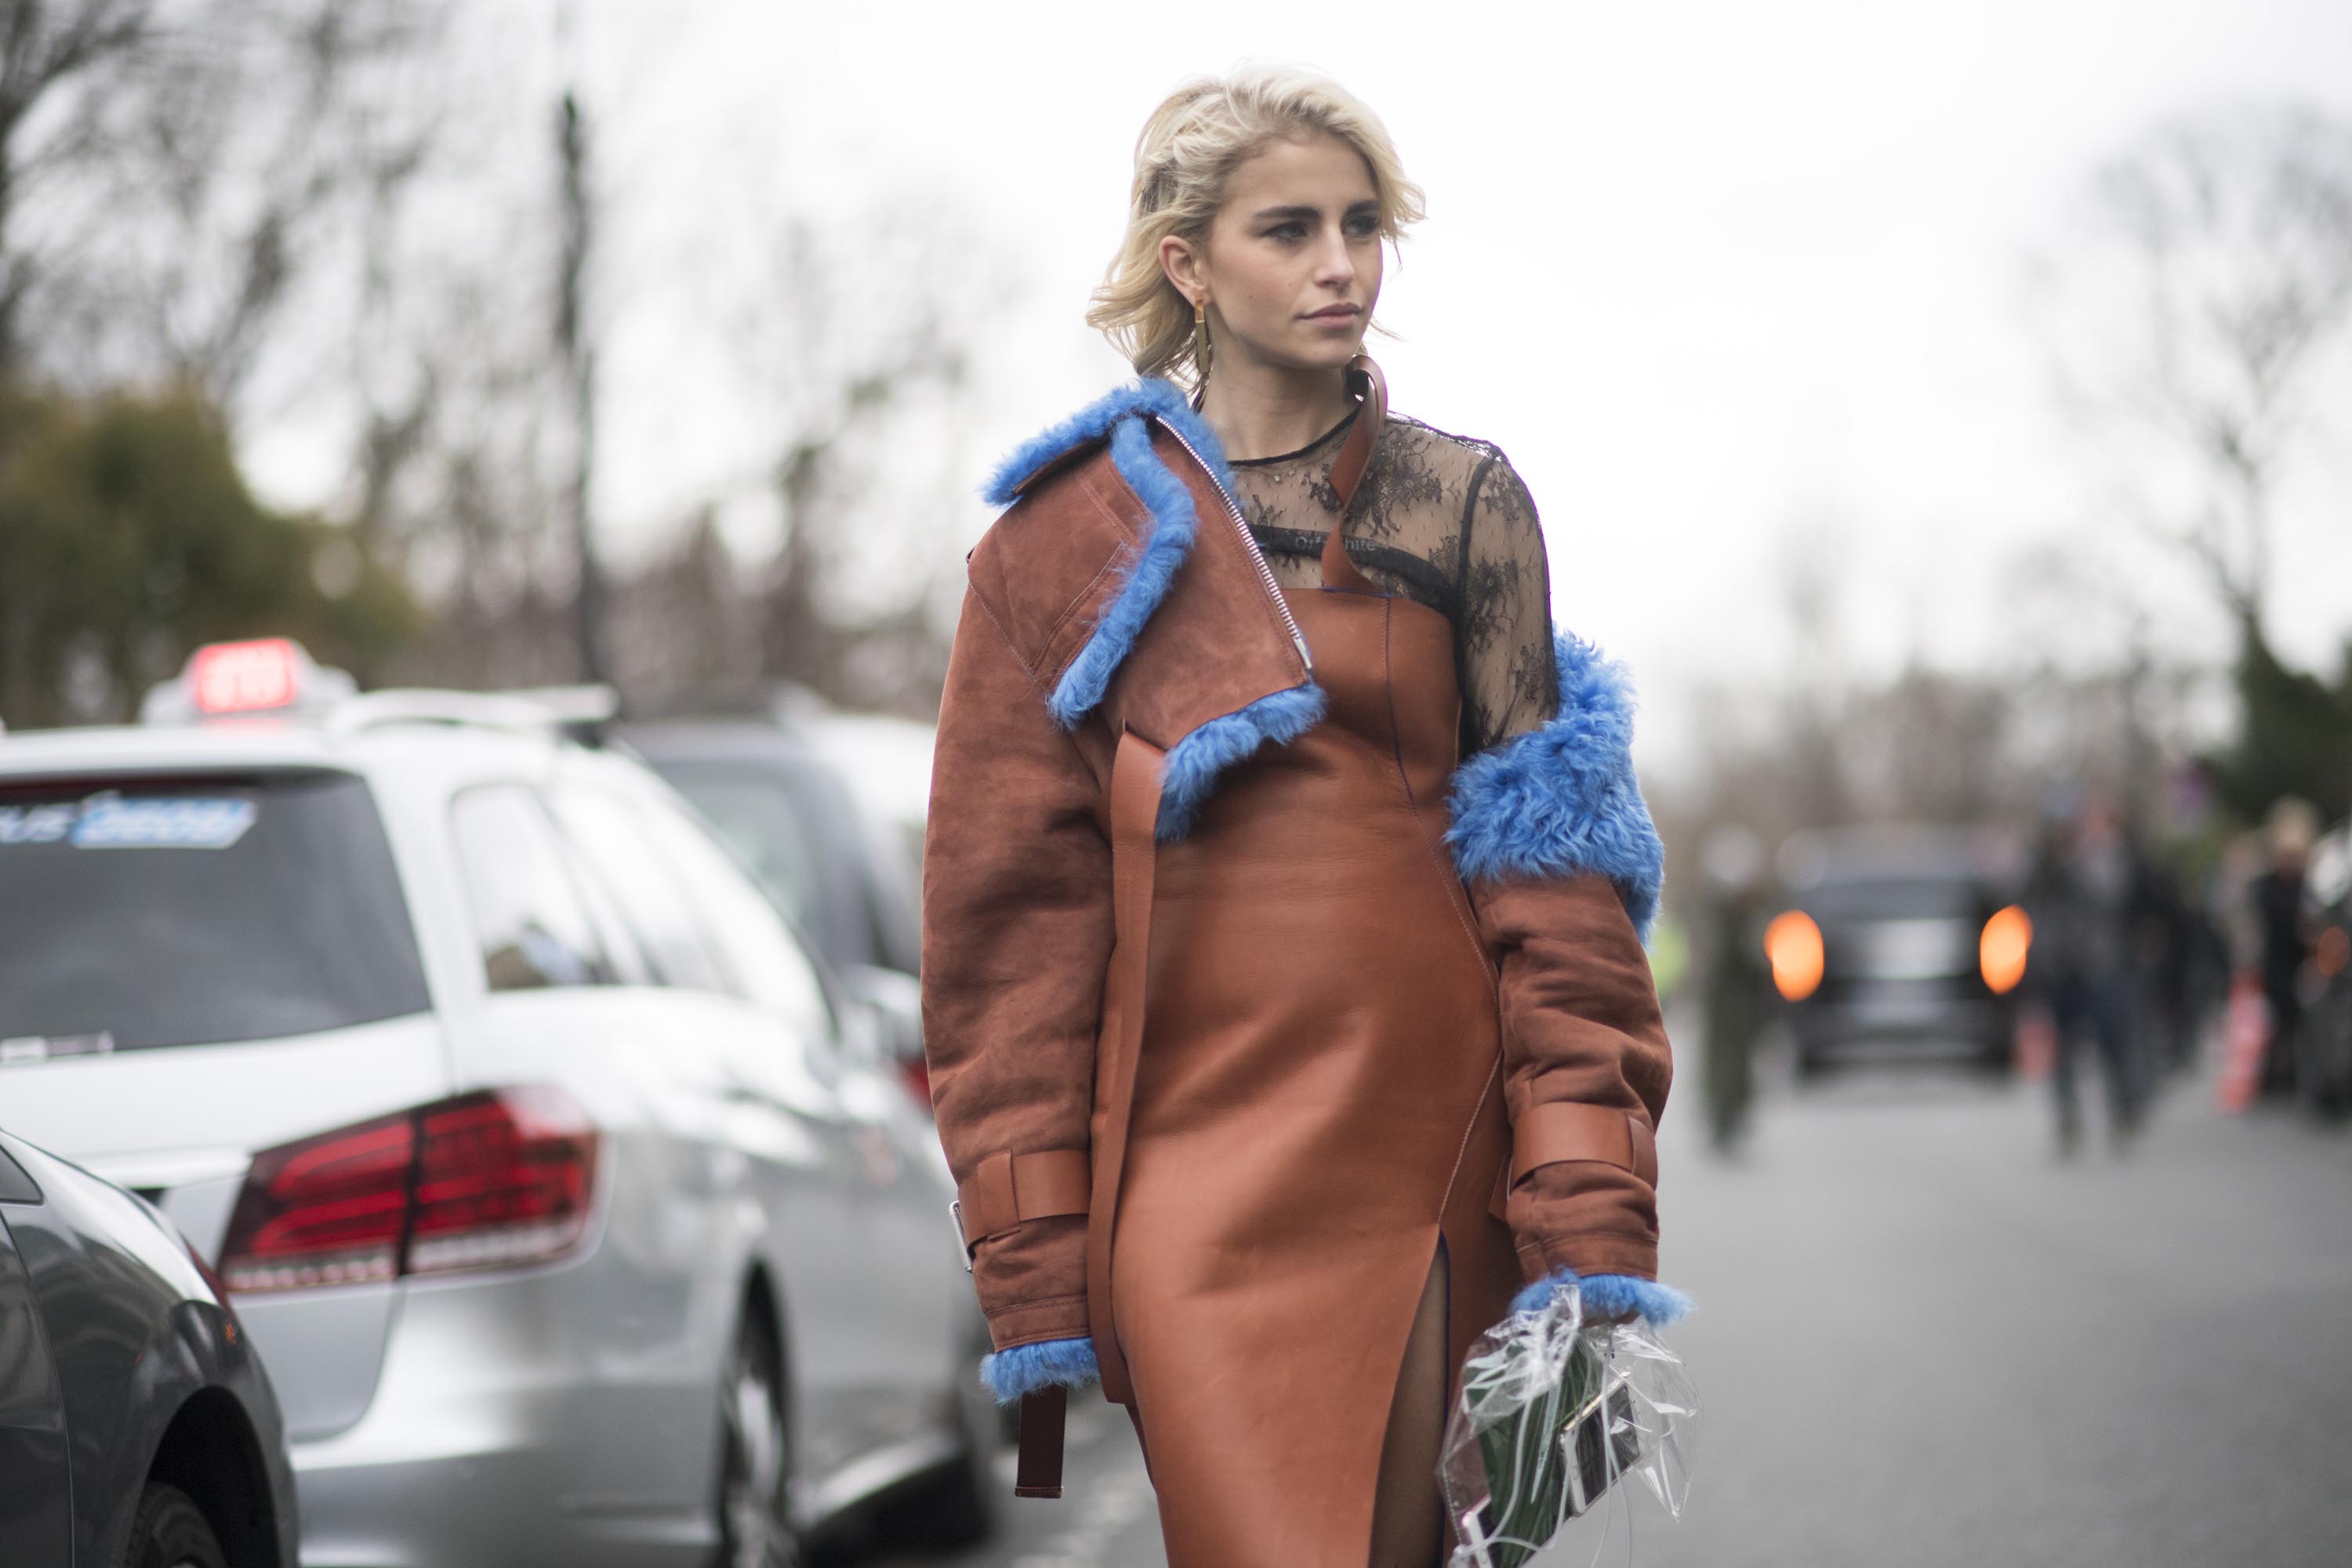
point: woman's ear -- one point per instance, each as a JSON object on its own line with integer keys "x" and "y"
{"x": 1181, "y": 263}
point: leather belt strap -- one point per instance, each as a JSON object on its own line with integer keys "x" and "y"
{"x": 1135, "y": 783}
{"x": 1038, "y": 1471}
{"x": 1007, "y": 1189}
{"x": 1559, "y": 1131}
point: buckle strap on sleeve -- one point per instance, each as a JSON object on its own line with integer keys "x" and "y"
{"x": 1558, "y": 1131}
{"x": 1008, "y": 1189}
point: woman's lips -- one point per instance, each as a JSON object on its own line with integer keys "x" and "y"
{"x": 1335, "y": 315}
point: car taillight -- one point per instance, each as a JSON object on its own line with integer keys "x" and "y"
{"x": 329, "y": 1210}
{"x": 503, "y": 1178}
{"x": 917, "y": 1076}
{"x": 2002, "y": 948}
{"x": 488, "y": 1180}
{"x": 1792, "y": 946}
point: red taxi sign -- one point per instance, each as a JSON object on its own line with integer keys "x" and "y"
{"x": 259, "y": 679}
{"x": 246, "y": 677}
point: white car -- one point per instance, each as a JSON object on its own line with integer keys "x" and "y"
{"x": 575, "y": 1220}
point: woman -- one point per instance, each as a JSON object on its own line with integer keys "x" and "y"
{"x": 1285, "y": 1004}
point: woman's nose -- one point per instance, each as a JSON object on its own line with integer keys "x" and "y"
{"x": 1332, "y": 262}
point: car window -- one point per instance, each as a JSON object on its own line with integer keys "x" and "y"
{"x": 758, "y": 815}
{"x": 138, "y": 913}
{"x": 768, "y": 963}
{"x": 611, "y": 837}
{"x": 633, "y": 964}
{"x": 530, "y": 919}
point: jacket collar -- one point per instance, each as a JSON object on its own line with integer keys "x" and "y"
{"x": 1195, "y": 585}
{"x": 1149, "y": 396}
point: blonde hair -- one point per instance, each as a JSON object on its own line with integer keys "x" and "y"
{"x": 1191, "y": 144}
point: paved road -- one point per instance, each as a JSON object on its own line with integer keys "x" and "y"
{"x": 1923, "y": 1341}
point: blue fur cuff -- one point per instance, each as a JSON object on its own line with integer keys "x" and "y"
{"x": 1024, "y": 1369}
{"x": 1193, "y": 762}
{"x": 1610, "y": 1296}
{"x": 1562, "y": 799}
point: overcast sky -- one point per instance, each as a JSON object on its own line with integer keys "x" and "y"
{"x": 1727, "y": 281}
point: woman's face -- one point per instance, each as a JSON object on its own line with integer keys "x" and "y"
{"x": 1291, "y": 265}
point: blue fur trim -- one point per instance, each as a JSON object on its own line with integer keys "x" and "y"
{"x": 1610, "y": 1296}
{"x": 1194, "y": 762}
{"x": 1024, "y": 1369}
{"x": 1151, "y": 395}
{"x": 1562, "y": 799}
{"x": 1121, "y": 416}
{"x": 1173, "y": 527}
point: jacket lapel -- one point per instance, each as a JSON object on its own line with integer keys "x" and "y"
{"x": 1187, "y": 641}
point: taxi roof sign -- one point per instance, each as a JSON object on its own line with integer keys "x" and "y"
{"x": 257, "y": 679}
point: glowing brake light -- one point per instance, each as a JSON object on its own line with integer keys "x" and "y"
{"x": 1792, "y": 945}
{"x": 246, "y": 677}
{"x": 2002, "y": 948}
{"x": 496, "y": 1179}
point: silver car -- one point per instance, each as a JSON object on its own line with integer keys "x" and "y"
{"x": 575, "y": 1219}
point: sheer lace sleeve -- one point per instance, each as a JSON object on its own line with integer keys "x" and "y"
{"x": 1503, "y": 635}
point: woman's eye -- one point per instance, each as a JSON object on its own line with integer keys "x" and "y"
{"x": 1364, "y": 227}
{"x": 1287, "y": 231}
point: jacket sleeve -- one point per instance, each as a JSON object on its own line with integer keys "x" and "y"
{"x": 1586, "y": 1070}
{"x": 1556, "y": 846}
{"x": 1016, "y": 935}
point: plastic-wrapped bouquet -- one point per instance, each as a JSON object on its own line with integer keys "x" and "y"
{"x": 1554, "y": 1412}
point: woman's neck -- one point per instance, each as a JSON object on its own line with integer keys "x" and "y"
{"x": 1264, "y": 411}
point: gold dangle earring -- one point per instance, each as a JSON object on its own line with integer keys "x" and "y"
{"x": 1200, "y": 340}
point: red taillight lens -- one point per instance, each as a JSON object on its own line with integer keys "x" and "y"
{"x": 484, "y": 1181}
{"x": 329, "y": 1210}
{"x": 504, "y": 1178}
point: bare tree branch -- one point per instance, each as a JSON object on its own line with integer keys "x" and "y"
{"x": 2229, "y": 236}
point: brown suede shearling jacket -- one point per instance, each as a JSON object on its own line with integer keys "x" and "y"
{"x": 1119, "y": 593}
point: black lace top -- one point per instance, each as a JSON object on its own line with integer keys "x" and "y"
{"x": 1444, "y": 520}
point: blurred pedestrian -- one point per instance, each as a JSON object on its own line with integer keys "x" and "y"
{"x": 1736, "y": 980}
{"x": 2284, "y": 925}
{"x": 2079, "y": 899}
{"x": 2165, "y": 943}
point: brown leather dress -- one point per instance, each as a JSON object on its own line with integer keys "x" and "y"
{"x": 1318, "y": 1108}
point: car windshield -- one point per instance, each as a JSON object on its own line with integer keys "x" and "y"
{"x": 201, "y": 910}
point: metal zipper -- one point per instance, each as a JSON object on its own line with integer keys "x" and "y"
{"x": 1249, "y": 542}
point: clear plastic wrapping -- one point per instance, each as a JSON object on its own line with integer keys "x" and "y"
{"x": 1554, "y": 1412}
